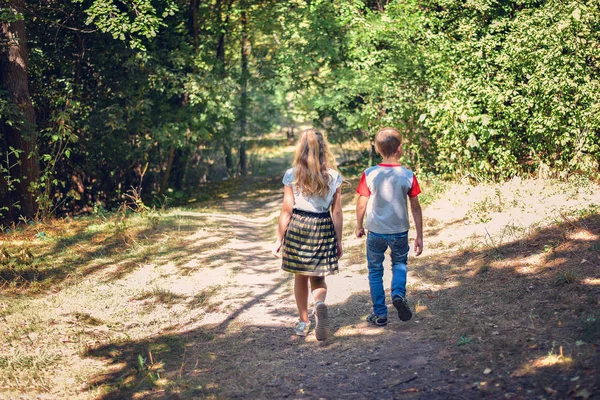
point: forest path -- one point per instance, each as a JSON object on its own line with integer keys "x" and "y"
{"x": 254, "y": 353}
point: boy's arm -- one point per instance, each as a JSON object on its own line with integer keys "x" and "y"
{"x": 284, "y": 218}
{"x": 337, "y": 216}
{"x": 415, "y": 208}
{"x": 361, "y": 207}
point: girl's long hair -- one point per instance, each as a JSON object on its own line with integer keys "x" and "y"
{"x": 312, "y": 161}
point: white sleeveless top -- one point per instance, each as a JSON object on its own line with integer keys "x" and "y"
{"x": 316, "y": 204}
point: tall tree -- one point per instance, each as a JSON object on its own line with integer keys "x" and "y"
{"x": 20, "y": 136}
{"x": 245, "y": 52}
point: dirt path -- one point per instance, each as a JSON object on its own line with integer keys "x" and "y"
{"x": 266, "y": 360}
{"x": 231, "y": 328}
{"x": 254, "y": 353}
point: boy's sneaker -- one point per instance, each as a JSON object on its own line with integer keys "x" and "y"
{"x": 401, "y": 305}
{"x": 377, "y": 320}
{"x": 322, "y": 319}
{"x": 301, "y": 328}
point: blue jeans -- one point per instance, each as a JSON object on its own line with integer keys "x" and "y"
{"x": 377, "y": 244}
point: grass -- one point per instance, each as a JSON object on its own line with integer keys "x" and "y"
{"x": 204, "y": 298}
{"x": 71, "y": 260}
{"x": 160, "y": 296}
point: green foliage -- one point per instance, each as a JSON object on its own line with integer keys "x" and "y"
{"x": 486, "y": 89}
{"x": 8, "y": 13}
{"x": 516, "y": 98}
{"x": 129, "y": 20}
{"x": 464, "y": 340}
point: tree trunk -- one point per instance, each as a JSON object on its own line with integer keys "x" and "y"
{"x": 179, "y": 169}
{"x": 228, "y": 159}
{"x": 20, "y": 136}
{"x": 245, "y": 45}
{"x": 220, "y": 54}
{"x": 165, "y": 180}
{"x": 221, "y": 9}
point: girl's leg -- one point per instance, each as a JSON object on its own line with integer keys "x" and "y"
{"x": 301, "y": 295}
{"x": 319, "y": 288}
{"x": 319, "y": 291}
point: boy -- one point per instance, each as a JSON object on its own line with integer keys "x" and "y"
{"x": 383, "y": 191}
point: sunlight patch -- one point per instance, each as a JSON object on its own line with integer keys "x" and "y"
{"x": 526, "y": 269}
{"x": 592, "y": 281}
{"x": 353, "y": 331}
{"x": 583, "y": 235}
{"x": 419, "y": 308}
{"x": 205, "y": 235}
{"x": 551, "y": 360}
{"x": 557, "y": 262}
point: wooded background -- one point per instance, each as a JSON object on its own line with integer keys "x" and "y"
{"x": 95, "y": 94}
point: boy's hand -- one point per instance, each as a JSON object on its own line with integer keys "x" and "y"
{"x": 340, "y": 250}
{"x": 359, "y": 232}
{"x": 418, "y": 246}
{"x": 276, "y": 248}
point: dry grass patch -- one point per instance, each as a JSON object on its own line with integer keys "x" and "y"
{"x": 76, "y": 287}
{"x": 516, "y": 298}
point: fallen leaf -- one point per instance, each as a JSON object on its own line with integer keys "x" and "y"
{"x": 582, "y": 393}
{"x": 487, "y": 371}
{"x": 549, "y": 390}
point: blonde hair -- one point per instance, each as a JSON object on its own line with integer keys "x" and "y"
{"x": 312, "y": 161}
{"x": 387, "y": 141}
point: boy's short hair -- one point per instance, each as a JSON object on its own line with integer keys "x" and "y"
{"x": 387, "y": 141}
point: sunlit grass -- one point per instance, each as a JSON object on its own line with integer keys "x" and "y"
{"x": 547, "y": 361}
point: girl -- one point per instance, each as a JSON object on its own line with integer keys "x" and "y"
{"x": 309, "y": 236}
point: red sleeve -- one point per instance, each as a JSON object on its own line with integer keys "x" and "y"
{"x": 362, "y": 188}
{"x": 415, "y": 189}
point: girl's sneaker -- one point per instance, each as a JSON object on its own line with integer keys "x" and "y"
{"x": 322, "y": 319}
{"x": 301, "y": 328}
{"x": 377, "y": 320}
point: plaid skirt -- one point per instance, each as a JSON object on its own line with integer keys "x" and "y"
{"x": 309, "y": 245}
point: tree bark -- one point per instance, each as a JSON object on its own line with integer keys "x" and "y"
{"x": 245, "y": 46}
{"x": 221, "y": 9}
{"x": 21, "y": 136}
{"x": 165, "y": 179}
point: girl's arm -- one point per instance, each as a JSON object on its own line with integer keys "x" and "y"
{"x": 417, "y": 214}
{"x": 338, "y": 219}
{"x": 284, "y": 217}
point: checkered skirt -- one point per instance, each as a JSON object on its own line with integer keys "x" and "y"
{"x": 309, "y": 245}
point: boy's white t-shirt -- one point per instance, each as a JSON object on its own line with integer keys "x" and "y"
{"x": 316, "y": 204}
{"x": 387, "y": 186}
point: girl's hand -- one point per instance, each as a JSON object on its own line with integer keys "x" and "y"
{"x": 276, "y": 248}
{"x": 340, "y": 250}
